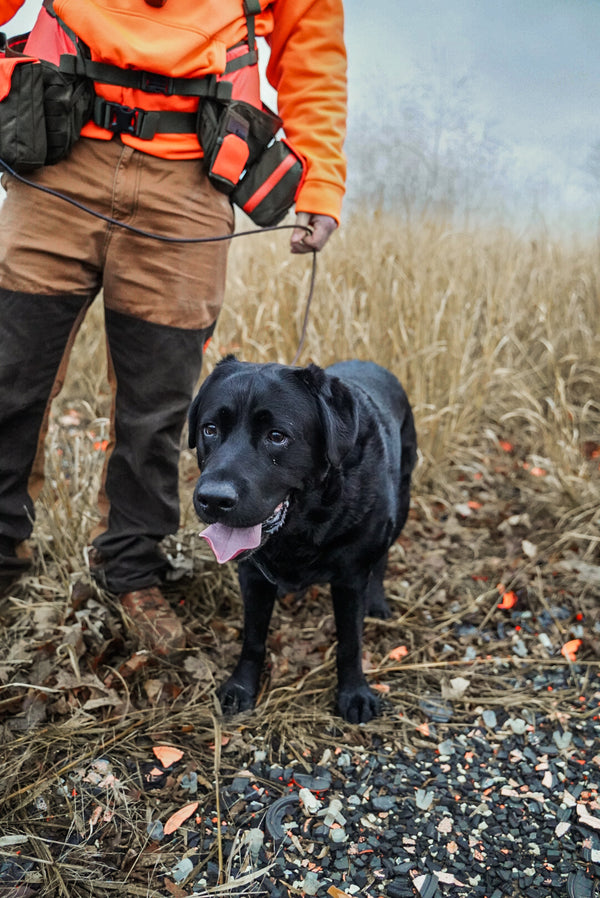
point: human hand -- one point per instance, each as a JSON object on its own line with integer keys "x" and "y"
{"x": 322, "y": 227}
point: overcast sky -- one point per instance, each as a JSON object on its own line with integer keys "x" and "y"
{"x": 532, "y": 68}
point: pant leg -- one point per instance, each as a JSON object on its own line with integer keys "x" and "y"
{"x": 161, "y": 302}
{"x": 156, "y": 369}
{"x": 51, "y": 259}
{"x": 36, "y": 333}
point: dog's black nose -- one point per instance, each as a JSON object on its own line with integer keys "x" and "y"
{"x": 216, "y": 498}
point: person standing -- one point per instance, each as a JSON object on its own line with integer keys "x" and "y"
{"x": 139, "y": 160}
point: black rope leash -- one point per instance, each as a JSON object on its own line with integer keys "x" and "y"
{"x": 166, "y": 238}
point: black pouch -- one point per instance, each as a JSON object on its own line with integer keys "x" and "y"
{"x": 269, "y": 187}
{"x": 23, "y": 144}
{"x": 233, "y": 136}
{"x": 68, "y": 105}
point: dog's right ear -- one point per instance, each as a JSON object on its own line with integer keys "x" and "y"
{"x": 223, "y": 367}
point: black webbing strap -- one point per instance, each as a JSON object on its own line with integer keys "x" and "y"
{"x": 251, "y": 9}
{"x": 141, "y": 123}
{"x": 150, "y": 82}
{"x": 153, "y": 82}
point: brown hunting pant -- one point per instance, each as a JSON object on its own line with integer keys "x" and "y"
{"x": 161, "y": 301}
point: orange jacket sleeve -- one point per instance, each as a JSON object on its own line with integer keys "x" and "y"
{"x": 307, "y": 67}
{"x": 8, "y": 8}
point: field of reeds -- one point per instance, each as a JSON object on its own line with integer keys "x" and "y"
{"x": 496, "y": 337}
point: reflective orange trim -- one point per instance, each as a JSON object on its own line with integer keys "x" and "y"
{"x": 264, "y": 189}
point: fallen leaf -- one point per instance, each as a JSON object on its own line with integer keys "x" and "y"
{"x": 590, "y": 450}
{"x": 509, "y": 600}
{"x": 138, "y": 661}
{"x": 398, "y": 653}
{"x": 337, "y": 893}
{"x": 570, "y": 649}
{"x": 174, "y": 889}
{"x": 153, "y": 689}
{"x": 179, "y": 817}
{"x": 167, "y": 754}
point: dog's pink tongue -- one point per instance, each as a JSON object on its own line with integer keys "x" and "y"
{"x": 227, "y": 542}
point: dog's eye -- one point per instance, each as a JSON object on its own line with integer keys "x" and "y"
{"x": 210, "y": 430}
{"x": 277, "y": 438}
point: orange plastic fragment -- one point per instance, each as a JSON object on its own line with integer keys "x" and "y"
{"x": 179, "y": 817}
{"x": 337, "y": 893}
{"x": 509, "y": 600}
{"x": 381, "y": 687}
{"x": 570, "y": 649}
{"x": 538, "y": 472}
{"x": 474, "y": 505}
{"x": 167, "y": 755}
{"x": 508, "y": 447}
{"x": 399, "y": 652}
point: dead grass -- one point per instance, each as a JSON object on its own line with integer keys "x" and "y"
{"x": 496, "y": 337}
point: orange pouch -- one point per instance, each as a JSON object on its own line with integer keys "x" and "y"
{"x": 22, "y": 126}
{"x": 233, "y": 135}
{"x": 270, "y": 186}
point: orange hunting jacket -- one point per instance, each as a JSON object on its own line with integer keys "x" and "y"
{"x": 189, "y": 38}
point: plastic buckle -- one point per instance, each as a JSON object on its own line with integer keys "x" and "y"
{"x": 127, "y": 120}
{"x": 153, "y": 83}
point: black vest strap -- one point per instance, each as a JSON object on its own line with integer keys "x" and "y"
{"x": 153, "y": 82}
{"x": 251, "y": 8}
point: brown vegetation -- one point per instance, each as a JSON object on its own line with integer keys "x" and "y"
{"x": 496, "y": 337}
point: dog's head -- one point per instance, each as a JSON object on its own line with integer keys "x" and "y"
{"x": 263, "y": 434}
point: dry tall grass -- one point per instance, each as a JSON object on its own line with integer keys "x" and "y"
{"x": 494, "y": 334}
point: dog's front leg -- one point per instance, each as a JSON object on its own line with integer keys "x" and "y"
{"x": 239, "y": 692}
{"x": 355, "y": 701}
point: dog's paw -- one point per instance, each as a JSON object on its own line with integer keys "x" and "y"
{"x": 378, "y": 607}
{"x": 235, "y": 696}
{"x": 358, "y": 705}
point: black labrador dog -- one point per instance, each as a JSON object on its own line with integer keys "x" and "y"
{"x": 305, "y": 478}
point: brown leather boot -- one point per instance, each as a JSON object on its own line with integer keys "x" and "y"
{"x": 149, "y": 616}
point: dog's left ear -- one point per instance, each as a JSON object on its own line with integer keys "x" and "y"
{"x": 337, "y": 411}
